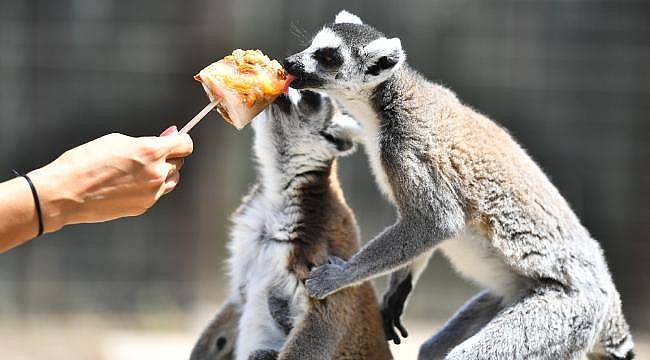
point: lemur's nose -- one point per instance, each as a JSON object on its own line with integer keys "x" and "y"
{"x": 292, "y": 65}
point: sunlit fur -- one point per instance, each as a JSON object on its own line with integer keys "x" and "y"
{"x": 463, "y": 185}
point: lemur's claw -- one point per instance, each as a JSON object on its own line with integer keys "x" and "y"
{"x": 391, "y": 335}
{"x": 392, "y": 322}
{"x": 337, "y": 261}
{"x": 325, "y": 279}
{"x": 392, "y": 307}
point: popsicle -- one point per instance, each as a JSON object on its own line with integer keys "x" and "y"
{"x": 240, "y": 86}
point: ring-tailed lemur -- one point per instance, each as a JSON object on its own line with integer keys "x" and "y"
{"x": 462, "y": 184}
{"x": 295, "y": 218}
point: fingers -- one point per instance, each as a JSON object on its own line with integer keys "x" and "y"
{"x": 392, "y": 336}
{"x": 175, "y": 145}
{"x": 171, "y": 183}
{"x": 173, "y": 174}
{"x": 390, "y": 324}
{"x": 401, "y": 328}
{"x": 174, "y": 166}
{"x": 169, "y": 145}
{"x": 170, "y": 130}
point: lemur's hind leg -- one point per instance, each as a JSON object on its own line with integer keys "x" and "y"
{"x": 616, "y": 341}
{"x": 319, "y": 332}
{"x": 401, "y": 283}
{"x": 218, "y": 340}
{"x": 546, "y": 322}
{"x": 467, "y": 321}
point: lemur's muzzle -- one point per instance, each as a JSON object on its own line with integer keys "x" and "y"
{"x": 294, "y": 66}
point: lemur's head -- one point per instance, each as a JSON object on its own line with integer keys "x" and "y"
{"x": 304, "y": 130}
{"x": 346, "y": 55}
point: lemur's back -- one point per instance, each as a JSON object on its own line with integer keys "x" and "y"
{"x": 505, "y": 194}
{"x": 519, "y": 227}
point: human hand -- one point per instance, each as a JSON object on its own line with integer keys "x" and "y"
{"x": 111, "y": 177}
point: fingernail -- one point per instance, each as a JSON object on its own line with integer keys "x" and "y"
{"x": 170, "y": 130}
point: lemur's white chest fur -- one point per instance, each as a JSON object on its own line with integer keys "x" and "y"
{"x": 258, "y": 268}
{"x": 470, "y": 253}
{"x": 367, "y": 117}
{"x": 259, "y": 261}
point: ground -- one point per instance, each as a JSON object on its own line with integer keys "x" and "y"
{"x": 89, "y": 339}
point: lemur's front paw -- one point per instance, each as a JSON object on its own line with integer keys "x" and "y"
{"x": 392, "y": 321}
{"x": 392, "y": 307}
{"x": 327, "y": 278}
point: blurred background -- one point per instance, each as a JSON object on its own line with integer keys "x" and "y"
{"x": 569, "y": 79}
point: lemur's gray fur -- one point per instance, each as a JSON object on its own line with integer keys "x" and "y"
{"x": 463, "y": 185}
{"x": 294, "y": 219}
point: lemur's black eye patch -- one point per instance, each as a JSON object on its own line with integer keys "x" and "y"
{"x": 383, "y": 63}
{"x": 328, "y": 57}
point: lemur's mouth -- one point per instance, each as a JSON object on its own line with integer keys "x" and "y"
{"x": 306, "y": 81}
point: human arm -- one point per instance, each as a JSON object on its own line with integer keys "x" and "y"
{"x": 111, "y": 177}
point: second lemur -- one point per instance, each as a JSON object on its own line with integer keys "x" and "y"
{"x": 462, "y": 184}
{"x": 294, "y": 219}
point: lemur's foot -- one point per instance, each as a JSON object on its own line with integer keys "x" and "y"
{"x": 265, "y": 354}
{"x": 327, "y": 278}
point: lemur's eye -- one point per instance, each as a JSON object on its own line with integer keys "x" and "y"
{"x": 328, "y": 57}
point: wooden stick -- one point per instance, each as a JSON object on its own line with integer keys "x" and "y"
{"x": 195, "y": 120}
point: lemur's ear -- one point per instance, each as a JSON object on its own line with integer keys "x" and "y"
{"x": 382, "y": 56}
{"x": 345, "y": 16}
{"x": 344, "y": 131}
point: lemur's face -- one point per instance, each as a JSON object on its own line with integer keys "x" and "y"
{"x": 308, "y": 124}
{"x": 346, "y": 56}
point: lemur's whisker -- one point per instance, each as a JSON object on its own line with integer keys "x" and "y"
{"x": 299, "y": 33}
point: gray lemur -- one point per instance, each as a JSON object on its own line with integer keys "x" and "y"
{"x": 461, "y": 184}
{"x": 295, "y": 218}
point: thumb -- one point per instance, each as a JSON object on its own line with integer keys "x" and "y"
{"x": 171, "y": 144}
{"x": 170, "y": 130}
{"x": 176, "y": 145}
